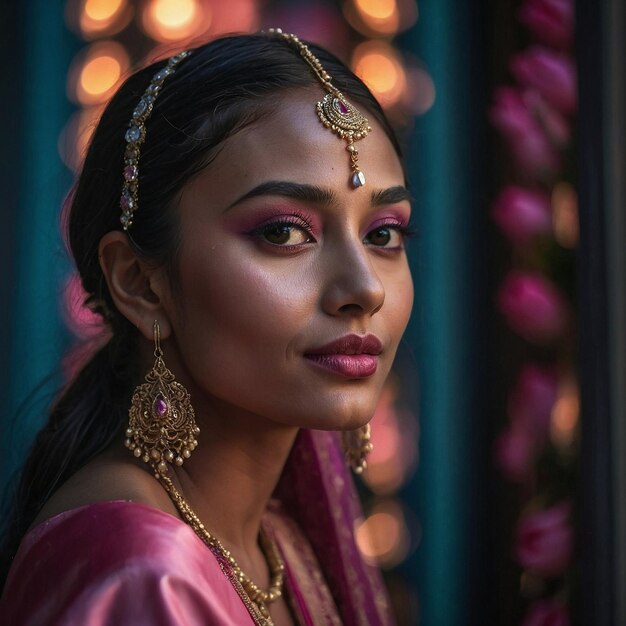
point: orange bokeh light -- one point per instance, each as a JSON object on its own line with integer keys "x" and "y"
{"x": 381, "y": 16}
{"x": 377, "y": 9}
{"x": 172, "y": 20}
{"x": 565, "y": 414}
{"x": 100, "y": 74}
{"x": 96, "y": 73}
{"x": 98, "y": 17}
{"x": 565, "y": 215}
{"x": 102, "y": 10}
{"x": 383, "y": 536}
{"x": 381, "y": 69}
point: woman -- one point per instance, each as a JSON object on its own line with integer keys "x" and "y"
{"x": 250, "y": 259}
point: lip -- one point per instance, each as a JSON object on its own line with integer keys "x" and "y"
{"x": 352, "y": 356}
{"x": 351, "y": 345}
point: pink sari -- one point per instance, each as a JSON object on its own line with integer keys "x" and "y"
{"x": 119, "y": 562}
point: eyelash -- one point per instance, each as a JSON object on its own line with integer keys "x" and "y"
{"x": 405, "y": 230}
{"x": 295, "y": 219}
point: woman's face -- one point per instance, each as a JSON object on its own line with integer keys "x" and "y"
{"x": 294, "y": 287}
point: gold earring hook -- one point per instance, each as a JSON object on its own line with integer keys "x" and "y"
{"x": 156, "y": 329}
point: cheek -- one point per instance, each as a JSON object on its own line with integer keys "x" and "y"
{"x": 398, "y": 301}
{"x": 231, "y": 298}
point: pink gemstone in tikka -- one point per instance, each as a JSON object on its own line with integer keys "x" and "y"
{"x": 343, "y": 109}
{"x": 160, "y": 407}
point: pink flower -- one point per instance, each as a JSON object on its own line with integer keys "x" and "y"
{"x": 532, "y": 400}
{"x": 532, "y": 306}
{"x": 527, "y": 141}
{"x": 545, "y": 541}
{"x": 550, "y": 21}
{"x": 522, "y": 213}
{"x": 550, "y": 73}
{"x": 553, "y": 123}
{"x": 515, "y": 453}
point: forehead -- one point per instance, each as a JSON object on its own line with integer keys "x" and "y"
{"x": 289, "y": 143}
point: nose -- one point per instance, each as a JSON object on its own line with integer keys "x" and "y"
{"x": 353, "y": 287}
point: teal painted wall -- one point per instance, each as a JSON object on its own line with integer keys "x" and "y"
{"x": 36, "y": 337}
{"x": 444, "y": 331}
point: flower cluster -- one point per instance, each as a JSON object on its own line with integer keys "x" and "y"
{"x": 537, "y": 213}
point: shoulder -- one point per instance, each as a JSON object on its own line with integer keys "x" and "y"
{"x": 115, "y": 562}
{"x": 106, "y": 535}
{"x": 111, "y": 476}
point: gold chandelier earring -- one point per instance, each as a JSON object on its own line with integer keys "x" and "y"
{"x": 161, "y": 426}
{"x": 357, "y": 444}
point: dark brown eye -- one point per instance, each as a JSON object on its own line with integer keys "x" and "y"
{"x": 389, "y": 237}
{"x": 277, "y": 233}
{"x": 285, "y": 234}
{"x": 380, "y": 236}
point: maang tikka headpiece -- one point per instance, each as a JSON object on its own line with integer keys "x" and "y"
{"x": 136, "y": 135}
{"x": 334, "y": 111}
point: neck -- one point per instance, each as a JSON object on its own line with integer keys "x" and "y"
{"x": 231, "y": 476}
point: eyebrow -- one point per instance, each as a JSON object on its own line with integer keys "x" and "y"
{"x": 319, "y": 195}
{"x": 297, "y": 191}
{"x": 392, "y": 195}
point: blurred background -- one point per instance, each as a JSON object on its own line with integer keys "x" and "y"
{"x": 496, "y": 493}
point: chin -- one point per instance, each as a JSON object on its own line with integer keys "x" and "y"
{"x": 343, "y": 417}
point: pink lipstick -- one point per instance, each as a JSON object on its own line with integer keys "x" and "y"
{"x": 351, "y": 356}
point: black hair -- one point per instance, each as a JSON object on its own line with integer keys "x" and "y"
{"x": 221, "y": 87}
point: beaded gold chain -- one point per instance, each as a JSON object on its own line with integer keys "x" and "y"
{"x": 253, "y": 596}
{"x": 334, "y": 110}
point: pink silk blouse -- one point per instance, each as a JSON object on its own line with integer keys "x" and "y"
{"x": 118, "y": 563}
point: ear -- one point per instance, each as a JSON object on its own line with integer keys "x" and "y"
{"x": 137, "y": 289}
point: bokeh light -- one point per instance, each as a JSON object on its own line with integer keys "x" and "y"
{"x": 381, "y": 17}
{"x": 379, "y": 66}
{"x": 565, "y": 215}
{"x": 234, "y": 16}
{"x": 420, "y": 92}
{"x": 96, "y": 72}
{"x": 383, "y": 536}
{"x": 565, "y": 414}
{"x": 174, "y": 20}
{"x": 103, "y": 17}
{"x": 95, "y": 19}
{"x": 395, "y": 444}
{"x": 377, "y": 9}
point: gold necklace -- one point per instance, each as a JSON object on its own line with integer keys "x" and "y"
{"x": 253, "y": 596}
